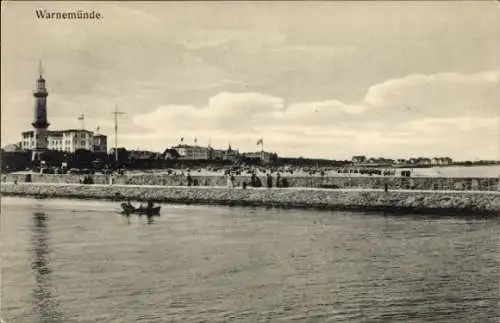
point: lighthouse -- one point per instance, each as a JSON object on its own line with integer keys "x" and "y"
{"x": 40, "y": 123}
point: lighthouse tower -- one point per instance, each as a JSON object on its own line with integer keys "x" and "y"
{"x": 40, "y": 123}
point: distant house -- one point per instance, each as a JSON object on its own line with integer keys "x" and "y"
{"x": 232, "y": 154}
{"x": 424, "y": 161}
{"x": 100, "y": 143}
{"x": 263, "y": 156}
{"x": 358, "y": 159}
{"x": 192, "y": 152}
{"x": 121, "y": 153}
{"x": 12, "y": 148}
{"x": 447, "y": 161}
{"x": 401, "y": 161}
{"x": 143, "y": 155}
{"x": 217, "y": 154}
{"x": 170, "y": 153}
{"x": 413, "y": 161}
{"x": 440, "y": 161}
{"x": 387, "y": 161}
{"x": 380, "y": 160}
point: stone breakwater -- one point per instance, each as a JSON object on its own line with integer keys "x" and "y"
{"x": 435, "y": 202}
{"x": 365, "y": 182}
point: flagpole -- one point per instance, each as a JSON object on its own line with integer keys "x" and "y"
{"x": 116, "y": 134}
{"x": 81, "y": 118}
{"x": 262, "y": 150}
{"x": 195, "y": 147}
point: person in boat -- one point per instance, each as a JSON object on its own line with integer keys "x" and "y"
{"x": 148, "y": 206}
{"x": 129, "y": 204}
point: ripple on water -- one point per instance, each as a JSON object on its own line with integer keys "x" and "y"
{"x": 72, "y": 262}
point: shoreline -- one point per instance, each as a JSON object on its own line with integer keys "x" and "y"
{"x": 456, "y": 203}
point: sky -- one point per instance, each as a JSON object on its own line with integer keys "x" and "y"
{"x": 313, "y": 79}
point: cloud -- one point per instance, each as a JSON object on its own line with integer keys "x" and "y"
{"x": 324, "y": 108}
{"x": 380, "y": 124}
{"x": 438, "y": 95}
{"x": 228, "y": 111}
{"x": 238, "y": 104}
{"x": 434, "y": 126}
{"x": 367, "y": 126}
{"x": 316, "y": 51}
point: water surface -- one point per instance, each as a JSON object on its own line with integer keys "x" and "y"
{"x": 459, "y": 171}
{"x": 79, "y": 261}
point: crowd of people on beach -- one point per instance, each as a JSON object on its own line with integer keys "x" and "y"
{"x": 291, "y": 171}
{"x": 255, "y": 180}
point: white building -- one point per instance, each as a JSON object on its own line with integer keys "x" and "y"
{"x": 440, "y": 161}
{"x": 263, "y": 156}
{"x": 65, "y": 140}
{"x": 358, "y": 159}
{"x": 28, "y": 140}
{"x": 192, "y": 152}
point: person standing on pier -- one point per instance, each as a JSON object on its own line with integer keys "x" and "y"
{"x": 230, "y": 180}
{"x": 253, "y": 180}
{"x": 269, "y": 180}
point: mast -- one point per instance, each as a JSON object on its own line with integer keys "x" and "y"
{"x": 116, "y": 113}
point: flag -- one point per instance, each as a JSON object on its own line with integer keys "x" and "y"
{"x": 260, "y": 142}
{"x": 81, "y": 117}
{"x": 98, "y": 128}
{"x": 195, "y": 140}
{"x": 182, "y": 139}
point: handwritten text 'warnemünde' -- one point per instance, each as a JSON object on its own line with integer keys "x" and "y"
{"x": 69, "y": 15}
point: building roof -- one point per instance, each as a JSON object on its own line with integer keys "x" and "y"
{"x": 190, "y": 146}
{"x": 257, "y": 153}
{"x": 61, "y": 132}
{"x": 56, "y": 132}
{"x": 70, "y": 130}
